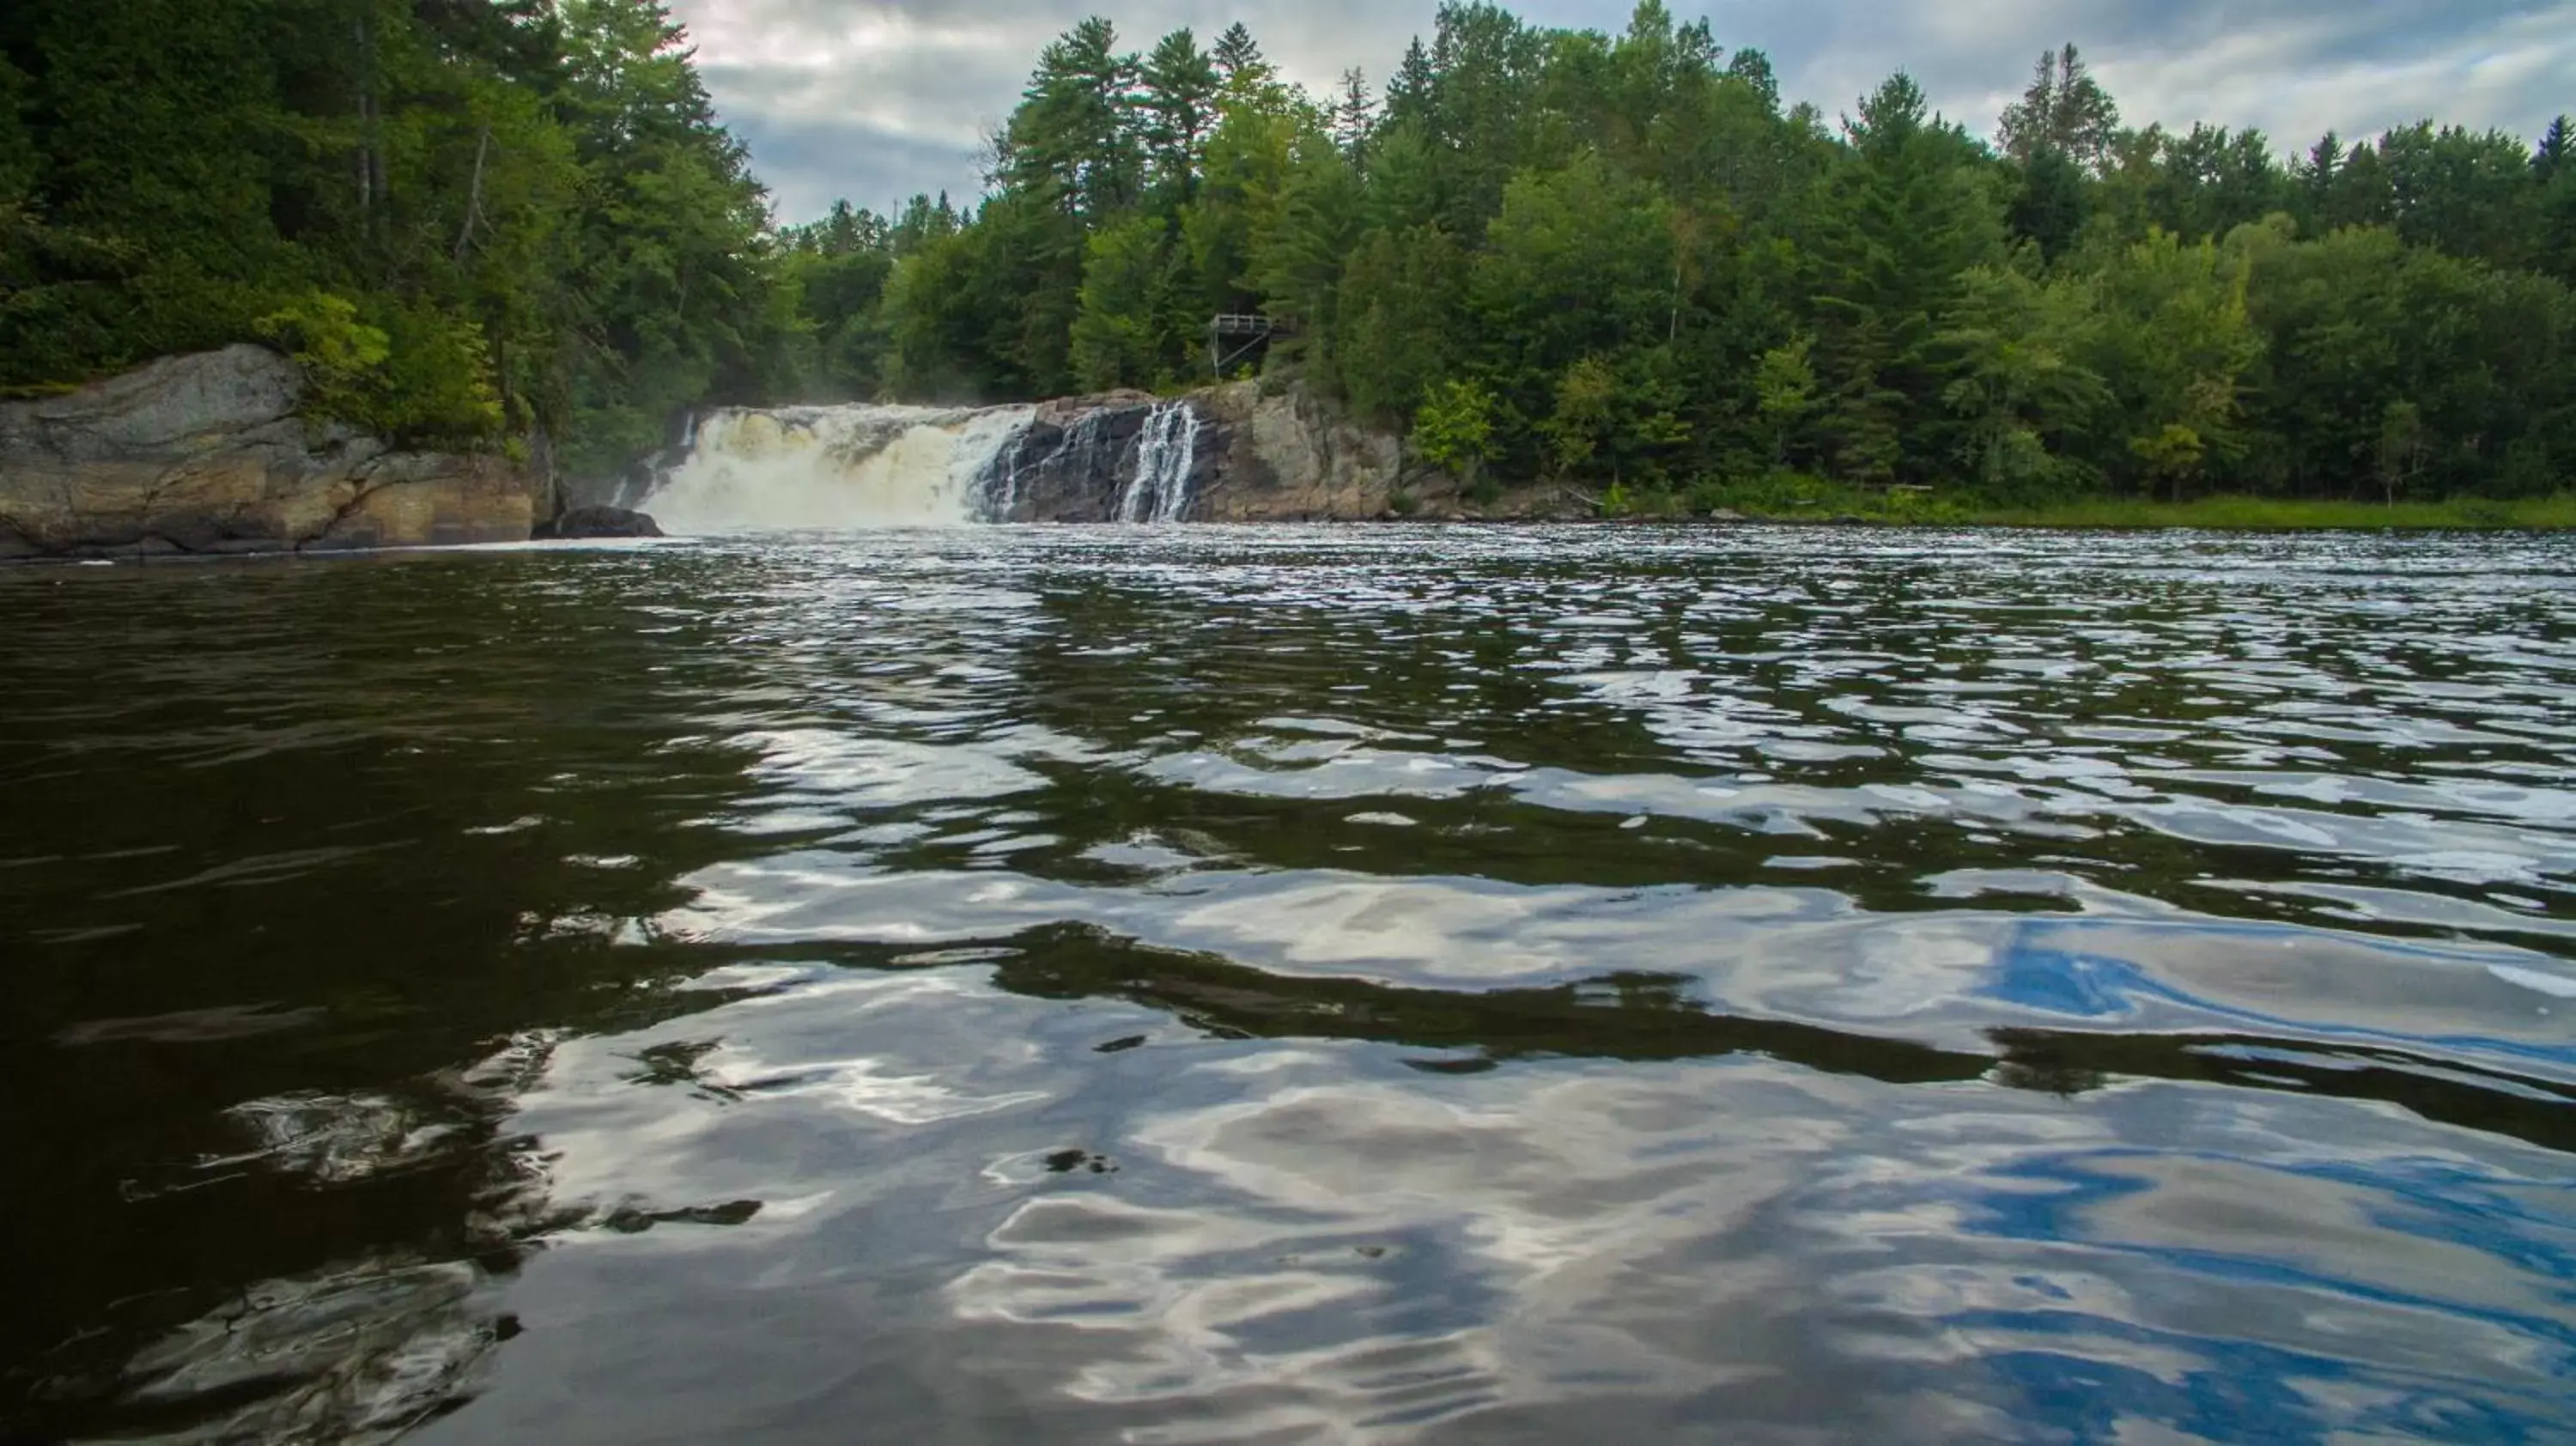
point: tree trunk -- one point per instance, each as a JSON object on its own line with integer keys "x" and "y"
{"x": 371, "y": 158}
{"x": 366, "y": 132}
{"x": 474, "y": 197}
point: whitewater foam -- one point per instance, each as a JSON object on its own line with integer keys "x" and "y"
{"x": 1165, "y": 457}
{"x": 837, "y": 469}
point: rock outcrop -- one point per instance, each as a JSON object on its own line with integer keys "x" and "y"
{"x": 207, "y": 454}
{"x": 589, "y": 523}
{"x": 1237, "y": 453}
{"x": 1080, "y": 458}
{"x": 1287, "y": 456}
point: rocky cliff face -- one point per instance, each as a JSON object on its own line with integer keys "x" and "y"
{"x": 1289, "y": 457}
{"x": 1229, "y": 454}
{"x": 1122, "y": 456}
{"x": 207, "y": 454}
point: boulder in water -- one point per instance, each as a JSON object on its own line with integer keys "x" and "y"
{"x": 587, "y": 523}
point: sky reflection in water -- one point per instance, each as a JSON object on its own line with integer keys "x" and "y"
{"x": 1298, "y": 985}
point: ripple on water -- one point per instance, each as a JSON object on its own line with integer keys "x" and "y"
{"x": 1292, "y": 984}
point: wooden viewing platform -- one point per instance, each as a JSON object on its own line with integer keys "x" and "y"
{"x": 1246, "y": 334}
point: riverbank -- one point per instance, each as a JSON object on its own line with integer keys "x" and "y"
{"x": 1823, "y": 502}
{"x": 2255, "y": 514}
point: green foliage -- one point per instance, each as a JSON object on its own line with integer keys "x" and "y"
{"x": 1072, "y": 140}
{"x": 436, "y": 386}
{"x": 1398, "y": 318}
{"x": 1299, "y": 260}
{"x": 422, "y": 378}
{"x": 339, "y": 353}
{"x": 2022, "y": 381}
{"x": 2065, "y": 114}
{"x": 2271, "y": 514}
{"x": 1586, "y": 400}
{"x": 1907, "y": 213}
{"x": 1178, "y": 99}
{"x": 466, "y": 220}
{"x": 1454, "y": 430}
{"x": 1121, "y": 336}
{"x": 1609, "y": 257}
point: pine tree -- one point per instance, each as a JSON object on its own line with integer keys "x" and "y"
{"x": 1179, "y": 104}
{"x": 1411, "y": 95}
{"x": 1753, "y": 69}
{"x": 2554, "y": 150}
{"x": 1354, "y": 115}
{"x": 1903, "y": 223}
{"x": 1074, "y": 139}
{"x": 1239, "y": 60}
{"x": 2064, "y": 110}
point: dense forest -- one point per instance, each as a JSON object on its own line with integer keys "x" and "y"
{"x": 1619, "y": 259}
{"x": 471, "y": 219}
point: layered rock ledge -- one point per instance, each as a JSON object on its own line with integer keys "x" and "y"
{"x": 208, "y": 454}
{"x": 1255, "y": 455}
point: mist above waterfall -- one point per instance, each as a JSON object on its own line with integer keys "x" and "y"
{"x": 855, "y": 468}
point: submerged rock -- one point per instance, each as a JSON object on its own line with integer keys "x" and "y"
{"x": 208, "y": 454}
{"x": 588, "y": 523}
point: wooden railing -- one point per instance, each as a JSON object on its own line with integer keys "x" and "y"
{"x": 1248, "y": 333}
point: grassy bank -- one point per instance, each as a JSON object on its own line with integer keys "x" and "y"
{"x": 1810, "y": 500}
{"x": 2257, "y": 514}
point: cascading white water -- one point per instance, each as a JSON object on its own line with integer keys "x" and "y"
{"x": 1166, "y": 455}
{"x": 837, "y": 469}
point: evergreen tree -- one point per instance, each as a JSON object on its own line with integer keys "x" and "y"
{"x": 2065, "y": 110}
{"x": 1609, "y": 257}
{"x": 2048, "y": 204}
{"x": 1752, "y": 69}
{"x": 1074, "y": 141}
{"x": 1239, "y": 61}
{"x": 1906, "y": 215}
{"x": 1119, "y": 336}
{"x": 1179, "y": 104}
{"x": 2555, "y": 149}
{"x": 1354, "y": 115}
{"x": 1409, "y": 96}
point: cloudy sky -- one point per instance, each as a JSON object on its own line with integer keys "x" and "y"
{"x": 877, "y": 99}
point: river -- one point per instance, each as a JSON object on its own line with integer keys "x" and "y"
{"x": 1358, "y": 985}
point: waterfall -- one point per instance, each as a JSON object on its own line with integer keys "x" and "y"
{"x": 1166, "y": 455}
{"x": 830, "y": 469}
{"x": 839, "y": 469}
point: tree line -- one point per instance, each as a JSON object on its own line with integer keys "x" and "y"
{"x": 1621, "y": 258}
{"x": 471, "y": 219}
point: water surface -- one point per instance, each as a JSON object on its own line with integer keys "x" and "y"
{"x": 1302, "y": 985}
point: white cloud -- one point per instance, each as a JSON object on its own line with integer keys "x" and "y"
{"x": 876, "y": 99}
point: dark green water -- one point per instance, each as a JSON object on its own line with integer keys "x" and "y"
{"x": 1338, "y": 986}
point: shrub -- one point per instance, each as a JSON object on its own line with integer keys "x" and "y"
{"x": 422, "y": 378}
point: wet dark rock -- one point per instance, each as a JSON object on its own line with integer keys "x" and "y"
{"x": 1070, "y": 1162}
{"x": 588, "y": 523}
{"x": 1078, "y": 456}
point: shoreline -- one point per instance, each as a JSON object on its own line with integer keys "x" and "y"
{"x": 2213, "y": 514}
{"x": 1679, "y": 522}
